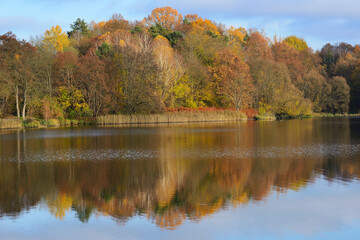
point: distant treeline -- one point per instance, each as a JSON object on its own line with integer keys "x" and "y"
{"x": 171, "y": 61}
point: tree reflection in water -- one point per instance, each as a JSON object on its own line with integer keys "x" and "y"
{"x": 170, "y": 173}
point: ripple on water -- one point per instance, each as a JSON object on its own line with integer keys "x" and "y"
{"x": 307, "y": 151}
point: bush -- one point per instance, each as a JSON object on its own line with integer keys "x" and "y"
{"x": 52, "y": 122}
{"x": 10, "y": 123}
{"x": 73, "y": 103}
{"x": 51, "y": 109}
{"x": 265, "y": 117}
{"x": 65, "y": 122}
{"x": 74, "y": 122}
{"x": 32, "y": 123}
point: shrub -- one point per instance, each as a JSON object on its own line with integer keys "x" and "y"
{"x": 73, "y": 103}
{"x": 32, "y": 123}
{"x": 53, "y": 122}
{"x": 51, "y": 109}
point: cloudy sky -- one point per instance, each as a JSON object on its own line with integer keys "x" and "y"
{"x": 317, "y": 21}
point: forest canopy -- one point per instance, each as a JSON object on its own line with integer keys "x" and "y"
{"x": 168, "y": 60}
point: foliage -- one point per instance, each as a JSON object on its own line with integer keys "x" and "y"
{"x": 104, "y": 49}
{"x": 340, "y": 95}
{"x": 79, "y": 27}
{"x": 73, "y": 103}
{"x": 166, "y": 17}
{"x": 51, "y": 109}
{"x": 232, "y": 77}
{"x": 298, "y": 43}
{"x": 55, "y": 38}
{"x": 170, "y": 61}
{"x": 17, "y": 63}
{"x": 93, "y": 81}
{"x": 158, "y": 30}
{"x": 115, "y": 23}
{"x": 135, "y": 75}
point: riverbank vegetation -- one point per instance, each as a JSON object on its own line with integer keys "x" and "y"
{"x": 169, "y": 61}
{"x": 15, "y": 123}
{"x": 173, "y": 117}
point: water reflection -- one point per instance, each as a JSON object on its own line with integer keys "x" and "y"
{"x": 170, "y": 173}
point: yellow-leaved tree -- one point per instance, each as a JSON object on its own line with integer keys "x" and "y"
{"x": 237, "y": 34}
{"x": 298, "y": 43}
{"x": 169, "y": 68}
{"x": 56, "y": 38}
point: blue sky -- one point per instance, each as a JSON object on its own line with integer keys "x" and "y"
{"x": 317, "y": 21}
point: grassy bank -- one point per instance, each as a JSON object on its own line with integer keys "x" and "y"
{"x": 167, "y": 117}
{"x": 14, "y": 123}
{"x": 265, "y": 117}
{"x": 336, "y": 115}
{"x": 10, "y": 123}
{"x": 172, "y": 117}
{"x": 42, "y": 123}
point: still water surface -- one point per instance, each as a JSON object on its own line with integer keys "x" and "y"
{"x": 296, "y": 179}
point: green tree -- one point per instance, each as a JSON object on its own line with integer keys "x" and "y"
{"x": 79, "y": 27}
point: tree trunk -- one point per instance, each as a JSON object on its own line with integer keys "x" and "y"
{"x": 24, "y": 106}
{"x": 17, "y": 100}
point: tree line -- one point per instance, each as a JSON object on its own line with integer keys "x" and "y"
{"x": 168, "y": 61}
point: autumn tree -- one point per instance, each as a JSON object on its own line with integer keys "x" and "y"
{"x": 232, "y": 75}
{"x": 134, "y": 71}
{"x": 169, "y": 68}
{"x": 276, "y": 93}
{"x": 166, "y": 17}
{"x": 207, "y": 26}
{"x": 56, "y": 39}
{"x": 317, "y": 89}
{"x": 236, "y": 38}
{"x": 94, "y": 83}
{"x": 257, "y": 47}
{"x": 293, "y": 60}
{"x": 340, "y": 95}
{"x": 115, "y": 23}
{"x": 298, "y": 43}
{"x": 330, "y": 54}
{"x": 202, "y": 45}
{"x": 73, "y": 103}
{"x": 17, "y": 64}
{"x": 194, "y": 88}
{"x": 200, "y": 49}
{"x": 355, "y": 90}
{"x": 5, "y": 91}
{"x": 65, "y": 67}
{"x": 44, "y": 65}
{"x": 164, "y": 22}
{"x": 347, "y": 67}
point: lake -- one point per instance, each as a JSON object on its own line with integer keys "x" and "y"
{"x": 294, "y": 179}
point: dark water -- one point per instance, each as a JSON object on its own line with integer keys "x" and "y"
{"x": 295, "y": 179}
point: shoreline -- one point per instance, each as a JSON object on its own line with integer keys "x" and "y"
{"x": 162, "y": 118}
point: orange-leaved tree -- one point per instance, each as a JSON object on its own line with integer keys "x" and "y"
{"x": 167, "y": 17}
{"x": 233, "y": 78}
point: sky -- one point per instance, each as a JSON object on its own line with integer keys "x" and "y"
{"x": 317, "y": 21}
